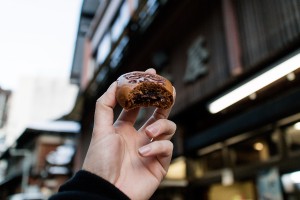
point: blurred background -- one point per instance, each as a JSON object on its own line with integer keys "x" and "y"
{"x": 234, "y": 64}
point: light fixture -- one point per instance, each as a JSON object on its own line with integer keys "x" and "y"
{"x": 291, "y": 76}
{"x": 255, "y": 83}
{"x": 295, "y": 176}
{"x": 297, "y": 126}
{"x": 227, "y": 177}
{"x": 258, "y": 146}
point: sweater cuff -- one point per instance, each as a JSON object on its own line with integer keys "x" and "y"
{"x": 87, "y": 182}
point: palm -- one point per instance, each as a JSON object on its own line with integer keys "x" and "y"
{"x": 135, "y": 166}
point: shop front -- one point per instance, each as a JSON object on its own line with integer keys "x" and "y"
{"x": 209, "y": 50}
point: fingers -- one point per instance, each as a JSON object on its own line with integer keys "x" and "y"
{"x": 151, "y": 70}
{"x": 162, "y": 129}
{"x": 157, "y": 115}
{"x": 161, "y": 149}
{"x": 129, "y": 115}
{"x": 104, "y": 116}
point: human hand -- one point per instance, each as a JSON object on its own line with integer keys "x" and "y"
{"x": 127, "y": 157}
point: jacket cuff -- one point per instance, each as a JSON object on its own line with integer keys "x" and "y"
{"x": 88, "y": 182}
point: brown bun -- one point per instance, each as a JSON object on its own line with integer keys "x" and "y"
{"x": 142, "y": 89}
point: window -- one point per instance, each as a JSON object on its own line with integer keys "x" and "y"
{"x": 117, "y": 55}
{"x": 102, "y": 74}
{"x": 121, "y": 22}
{"x": 104, "y": 48}
{"x": 209, "y": 162}
{"x": 292, "y": 136}
{"x": 255, "y": 149}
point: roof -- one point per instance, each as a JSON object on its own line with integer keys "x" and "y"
{"x": 59, "y": 127}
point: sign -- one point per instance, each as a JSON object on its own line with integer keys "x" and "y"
{"x": 268, "y": 185}
{"x": 197, "y": 56}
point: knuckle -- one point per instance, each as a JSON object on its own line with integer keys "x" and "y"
{"x": 99, "y": 101}
{"x": 159, "y": 115}
{"x": 170, "y": 127}
{"x": 171, "y": 145}
{"x": 174, "y": 126}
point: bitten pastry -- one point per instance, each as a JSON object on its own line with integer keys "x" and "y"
{"x": 142, "y": 89}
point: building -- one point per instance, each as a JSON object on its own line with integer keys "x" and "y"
{"x": 43, "y": 101}
{"x": 40, "y": 160}
{"x": 4, "y": 106}
{"x": 38, "y": 99}
{"x": 4, "y": 100}
{"x": 207, "y": 49}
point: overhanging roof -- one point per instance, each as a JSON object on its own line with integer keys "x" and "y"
{"x": 59, "y": 127}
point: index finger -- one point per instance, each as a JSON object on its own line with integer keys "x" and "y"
{"x": 104, "y": 115}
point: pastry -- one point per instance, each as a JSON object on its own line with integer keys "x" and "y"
{"x": 142, "y": 89}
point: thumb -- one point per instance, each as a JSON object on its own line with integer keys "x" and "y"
{"x": 104, "y": 115}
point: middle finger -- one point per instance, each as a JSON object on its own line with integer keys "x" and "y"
{"x": 162, "y": 129}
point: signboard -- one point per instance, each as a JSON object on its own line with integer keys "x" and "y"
{"x": 268, "y": 185}
{"x": 197, "y": 56}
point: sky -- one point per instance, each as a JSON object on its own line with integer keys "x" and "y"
{"x": 37, "y": 38}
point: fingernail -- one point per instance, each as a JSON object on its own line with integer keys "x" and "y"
{"x": 143, "y": 150}
{"x": 152, "y": 129}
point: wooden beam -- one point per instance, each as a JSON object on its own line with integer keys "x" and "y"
{"x": 232, "y": 38}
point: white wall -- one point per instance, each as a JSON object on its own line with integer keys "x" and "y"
{"x": 38, "y": 99}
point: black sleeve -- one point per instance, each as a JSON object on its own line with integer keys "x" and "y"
{"x": 87, "y": 186}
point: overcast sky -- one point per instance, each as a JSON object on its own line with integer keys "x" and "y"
{"x": 37, "y": 37}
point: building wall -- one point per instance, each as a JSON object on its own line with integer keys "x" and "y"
{"x": 237, "y": 41}
{"x": 267, "y": 28}
{"x": 38, "y": 99}
{"x": 4, "y": 107}
{"x": 4, "y": 103}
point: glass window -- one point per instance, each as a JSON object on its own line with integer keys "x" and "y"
{"x": 116, "y": 29}
{"x": 292, "y": 135}
{"x": 152, "y": 6}
{"x": 117, "y": 55}
{"x": 209, "y": 162}
{"x": 125, "y": 13}
{"x": 121, "y": 21}
{"x": 135, "y": 4}
{"x": 104, "y": 48}
{"x": 102, "y": 74}
{"x": 2, "y": 108}
{"x": 214, "y": 160}
{"x": 255, "y": 149}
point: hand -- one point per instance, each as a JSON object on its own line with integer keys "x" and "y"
{"x": 127, "y": 157}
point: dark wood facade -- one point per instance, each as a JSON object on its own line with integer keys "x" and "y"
{"x": 236, "y": 39}
{"x": 267, "y": 29}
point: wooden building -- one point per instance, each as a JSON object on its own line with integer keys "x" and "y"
{"x": 4, "y": 104}
{"x": 207, "y": 49}
{"x": 40, "y": 160}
